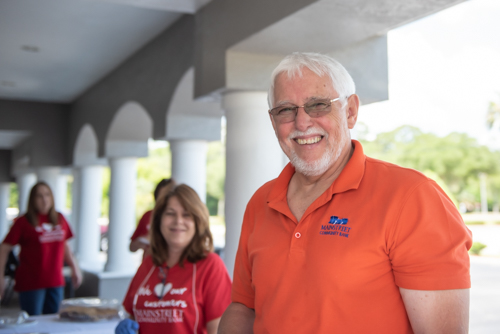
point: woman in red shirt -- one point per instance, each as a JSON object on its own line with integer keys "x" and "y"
{"x": 42, "y": 233}
{"x": 182, "y": 287}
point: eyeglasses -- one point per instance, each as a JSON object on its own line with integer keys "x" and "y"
{"x": 314, "y": 108}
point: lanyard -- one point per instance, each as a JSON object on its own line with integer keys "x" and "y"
{"x": 162, "y": 275}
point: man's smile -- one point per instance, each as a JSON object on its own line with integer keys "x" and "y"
{"x": 308, "y": 141}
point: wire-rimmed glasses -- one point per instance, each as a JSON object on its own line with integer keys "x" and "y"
{"x": 314, "y": 108}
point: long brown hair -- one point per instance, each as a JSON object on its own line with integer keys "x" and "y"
{"x": 32, "y": 212}
{"x": 202, "y": 242}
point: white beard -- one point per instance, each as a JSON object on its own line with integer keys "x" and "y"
{"x": 329, "y": 157}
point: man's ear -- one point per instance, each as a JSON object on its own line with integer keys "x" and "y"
{"x": 352, "y": 110}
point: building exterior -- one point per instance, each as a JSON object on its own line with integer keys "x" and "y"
{"x": 85, "y": 84}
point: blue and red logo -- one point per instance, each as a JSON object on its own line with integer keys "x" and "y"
{"x": 336, "y": 226}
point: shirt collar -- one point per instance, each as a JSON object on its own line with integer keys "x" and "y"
{"x": 349, "y": 179}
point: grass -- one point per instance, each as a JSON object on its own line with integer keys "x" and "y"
{"x": 481, "y": 222}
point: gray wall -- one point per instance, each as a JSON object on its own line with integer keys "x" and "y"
{"x": 48, "y": 123}
{"x": 223, "y": 23}
{"x": 149, "y": 77}
{"x": 5, "y": 160}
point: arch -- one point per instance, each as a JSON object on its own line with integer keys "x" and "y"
{"x": 86, "y": 147}
{"x": 191, "y": 119}
{"x": 129, "y": 132}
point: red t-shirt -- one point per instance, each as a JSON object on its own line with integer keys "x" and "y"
{"x": 142, "y": 229}
{"x": 193, "y": 296}
{"x": 42, "y": 252}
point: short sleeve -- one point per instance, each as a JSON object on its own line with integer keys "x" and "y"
{"x": 134, "y": 284}
{"x": 429, "y": 247}
{"x": 243, "y": 291}
{"x": 216, "y": 290}
{"x": 142, "y": 227}
{"x": 64, "y": 222}
{"x": 15, "y": 233}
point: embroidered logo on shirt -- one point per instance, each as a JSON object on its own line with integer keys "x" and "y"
{"x": 336, "y": 226}
{"x": 337, "y": 220}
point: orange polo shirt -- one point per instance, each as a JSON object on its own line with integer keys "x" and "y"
{"x": 378, "y": 227}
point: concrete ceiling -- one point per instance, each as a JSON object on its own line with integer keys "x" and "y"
{"x": 54, "y": 50}
{"x": 329, "y": 25}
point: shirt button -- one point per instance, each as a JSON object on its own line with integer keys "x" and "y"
{"x": 298, "y": 235}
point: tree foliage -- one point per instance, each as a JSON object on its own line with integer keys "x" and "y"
{"x": 216, "y": 169}
{"x": 457, "y": 159}
{"x": 151, "y": 170}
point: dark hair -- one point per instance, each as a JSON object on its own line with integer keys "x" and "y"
{"x": 163, "y": 183}
{"x": 32, "y": 212}
{"x": 202, "y": 242}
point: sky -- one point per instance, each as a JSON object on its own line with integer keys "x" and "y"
{"x": 443, "y": 72}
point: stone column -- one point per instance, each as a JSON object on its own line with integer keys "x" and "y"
{"x": 253, "y": 157}
{"x": 121, "y": 213}
{"x": 25, "y": 181}
{"x": 4, "y": 204}
{"x": 89, "y": 211}
{"x": 189, "y": 164}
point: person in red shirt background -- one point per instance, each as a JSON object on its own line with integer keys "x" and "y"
{"x": 140, "y": 238}
{"x": 182, "y": 286}
{"x": 42, "y": 233}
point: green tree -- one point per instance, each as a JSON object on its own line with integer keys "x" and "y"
{"x": 151, "y": 170}
{"x": 457, "y": 159}
{"x": 106, "y": 180}
{"x": 493, "y": 115}
{"x": 14, "y": 195}
{"x": 216, "y": 175}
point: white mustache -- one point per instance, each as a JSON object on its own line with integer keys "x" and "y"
{"x": 308, "y": 132}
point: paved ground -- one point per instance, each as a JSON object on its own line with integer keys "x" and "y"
{"x": 485, "y": 295}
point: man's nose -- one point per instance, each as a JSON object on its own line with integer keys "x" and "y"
{"x": 302, "y": 119}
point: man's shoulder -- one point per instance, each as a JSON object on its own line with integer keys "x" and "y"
{"x": 394, "y": 172}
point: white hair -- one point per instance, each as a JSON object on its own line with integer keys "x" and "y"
{"x": 319, "y": 64}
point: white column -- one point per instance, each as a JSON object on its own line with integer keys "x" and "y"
{"x": 189, "y": 164}
{"x": 62, "y": 193}
{"x": 253, "y": 157}
{"x": 75, "y": 205}
{"x": 25, "y": 181}
{"x": 50, "y": 175}
{"x": 4, "y": 204}
{"x": 121, "y": 213}
{"x": 89, "y": 204}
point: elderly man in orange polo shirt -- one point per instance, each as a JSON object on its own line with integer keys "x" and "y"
{"x": 340, "y": 242}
